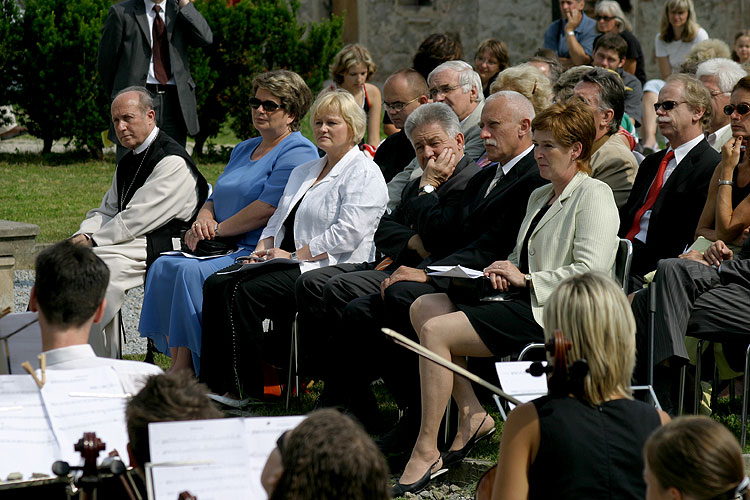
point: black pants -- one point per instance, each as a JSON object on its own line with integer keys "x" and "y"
{"x": 234, "y": 307}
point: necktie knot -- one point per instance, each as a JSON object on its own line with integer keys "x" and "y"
{"x": 157, "y": 9}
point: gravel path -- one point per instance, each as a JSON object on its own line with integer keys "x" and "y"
{"x": 131, "y": 310}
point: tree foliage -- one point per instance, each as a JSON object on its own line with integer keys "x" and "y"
{"x": 60, "y": 93}
{"x": 250, "y": 37}
{"x": 10, "y": 41}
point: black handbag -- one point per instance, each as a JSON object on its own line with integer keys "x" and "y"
{"x": 210, "y": 248}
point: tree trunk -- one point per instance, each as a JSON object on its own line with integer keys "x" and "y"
{"x": 200, "y": 140}
{"x": 47, "y": 148}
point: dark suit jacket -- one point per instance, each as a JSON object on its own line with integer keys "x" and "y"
{"x": 395, "y": 229}
{"x": 488, "y": 227}
{"x": 125, "y": 50}
{"x": 678, "y": 207}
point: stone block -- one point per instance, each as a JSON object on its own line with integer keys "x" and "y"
{"x": 6, "y": 282}
{"x": 18, "y": 239}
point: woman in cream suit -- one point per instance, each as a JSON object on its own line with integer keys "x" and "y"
{"x": 327, "y": 215}
{"x": 570, "y": 228}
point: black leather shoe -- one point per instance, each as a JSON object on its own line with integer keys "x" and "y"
{"x": 400, "y": 490}
{"x": 456, "y": 456}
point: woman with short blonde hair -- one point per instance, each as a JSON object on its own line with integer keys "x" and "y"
{"x": 528, "y": 81}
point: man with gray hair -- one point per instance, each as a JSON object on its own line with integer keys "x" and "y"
{"x": 719, "y": 76}
{"x": 611, "y": 160}
{"x": 480, "y": 229}
{"x": 456, "y": 84}
{"x": 156, "y": 191}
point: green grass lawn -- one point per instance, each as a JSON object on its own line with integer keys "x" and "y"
{"x": 56, "y": 197}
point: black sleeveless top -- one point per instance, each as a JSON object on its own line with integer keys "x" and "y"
{"x": 591, "y": 451}
{"x": 738, "y": 193}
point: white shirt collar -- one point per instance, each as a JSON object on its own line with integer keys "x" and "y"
{"x": 149, "y": 4}
{"x": 680, "y": 152}
{"x": 516, "y": 159}
{"x": 60, "y": 354}
{"x": 711, "y": 138}
{"x": 140, "y": 149}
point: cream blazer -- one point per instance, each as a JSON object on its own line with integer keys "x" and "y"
{"x": 338, "y": 215}
{"x": 577, "y": 234}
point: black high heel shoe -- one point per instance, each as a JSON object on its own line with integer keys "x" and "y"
{"x": 456, "y": 456}
{"x": 400, "y": 490}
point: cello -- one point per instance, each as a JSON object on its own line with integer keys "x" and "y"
{"x": 565, "y": 379}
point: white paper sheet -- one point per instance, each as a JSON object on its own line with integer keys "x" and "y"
{"x": 250, "y": 265}
{"x": 71, "y": 416}
{"x": 27, "y": 443}
{"x": 191, "y": 256}
{"x": 515, "y": 381}
{"x": 236, "y": 448}
{"x": 454, "y": 272}
{"x": 24, "y": 345}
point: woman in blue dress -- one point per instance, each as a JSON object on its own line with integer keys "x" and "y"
{"x": 245, "y": 197}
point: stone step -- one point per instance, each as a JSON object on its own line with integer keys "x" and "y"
{"x": 17, "y": 240}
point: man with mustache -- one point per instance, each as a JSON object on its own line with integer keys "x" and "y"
{"x": 671, "y": 187}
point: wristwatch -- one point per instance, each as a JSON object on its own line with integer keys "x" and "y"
{"x": 293, "y": 255}
{"x": 426, "y": 189}
{"x": 570, "y": 33}
{"x": 528, "y": 280}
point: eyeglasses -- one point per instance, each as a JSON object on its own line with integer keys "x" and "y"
{"x": 396, "y": 107}
{"x": 605, "y": 18}
{"x": 445, "y": 89}
{"x": 268, "y": 106}
{"x": 741, "y": 108}
{"x": 667, "y": 105}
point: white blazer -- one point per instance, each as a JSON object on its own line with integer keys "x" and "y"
{"x": 338, "y": 215}
{"x": 577, "y": 234}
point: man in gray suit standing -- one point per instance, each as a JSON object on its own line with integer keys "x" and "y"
{"x": 144, "y": 42}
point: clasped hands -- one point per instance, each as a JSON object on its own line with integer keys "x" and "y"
{"x": 202, "y": 229}
{"x": 261, "y": 255}
{"x": 503, "y": 274}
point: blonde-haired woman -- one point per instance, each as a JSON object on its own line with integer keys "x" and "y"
{"x": 327, "y": 215}
{"x": 351, "y": 69}
{"x": 679, "y": 31}
{"x": 694, "y": 458}
{"x": 528, "y": 81}
{"x": 585, "y": 446}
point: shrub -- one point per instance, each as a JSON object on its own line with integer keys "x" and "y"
{"x": 10, "y": 41}
{"x": 251, "y": 37}
{"x": 60, "y": 93}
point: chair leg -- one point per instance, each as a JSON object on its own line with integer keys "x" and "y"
{"x": 698, "y": 391}
{"x": 681, "y": 396}
{"x": 744, "y": 399}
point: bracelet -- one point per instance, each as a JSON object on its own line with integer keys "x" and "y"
{"x": 722, "y": 182}
{"x": 216, "y": 229}
{"x": 570, "y": 33}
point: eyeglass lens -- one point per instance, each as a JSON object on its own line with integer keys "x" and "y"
{"x": 666, "y": 105}
{"x": 269, "y": 106}
{"x": 741, "y": 108}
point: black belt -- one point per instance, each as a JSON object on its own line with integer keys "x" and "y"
{"x": 158, "y": 88}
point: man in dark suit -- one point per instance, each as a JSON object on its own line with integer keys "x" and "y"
{"x": 670, "y": 189}
{"x": 128, "y": 56}
{"x": 481, "y": 229}
{"x": 694, "y": 294}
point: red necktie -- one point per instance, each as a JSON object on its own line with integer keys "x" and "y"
{"x": 160, "y": 49}
{"x": 653, "y": 193}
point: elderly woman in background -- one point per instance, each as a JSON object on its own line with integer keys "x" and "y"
{"x": 351, "y": 69}
{"x": 570, "y": 228}
{"x": 327, "y": 215}
{"x": 679, "y": 31}
{"x": 611, "y": 19}
{"x": 491, "y": 58}
{"x": 585, "y": 440}
{"x": 245, "y": 196}
{"x": 528, "y": 81}
{"x": 694, "y": 458}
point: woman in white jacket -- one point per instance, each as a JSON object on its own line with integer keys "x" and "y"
{"x": 327, "y": 215}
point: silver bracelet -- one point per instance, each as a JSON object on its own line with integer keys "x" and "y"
{"x": 722, "y": 182}
{"x": 216, "y": 229}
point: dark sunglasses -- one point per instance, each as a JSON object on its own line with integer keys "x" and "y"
{"x": 604, "y": 18}
{"x": 268, "y": 106}
{"x": 741, "y": 108}
{"x": 667, "y": 105}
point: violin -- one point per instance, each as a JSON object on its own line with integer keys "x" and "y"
{"x": 565, "y": 379}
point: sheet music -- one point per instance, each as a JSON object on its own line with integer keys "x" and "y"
{"x": 454, "y": 272}
{"x": 26, "y": 439}
{"x": 71, "y": 416}
{"x": 236, "y": 448}
{"x": 517, "y": 382}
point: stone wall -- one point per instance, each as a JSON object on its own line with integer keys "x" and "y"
{"x": 392, "y": 29}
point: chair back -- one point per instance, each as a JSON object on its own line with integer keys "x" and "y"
{"x": 623, "y": 260}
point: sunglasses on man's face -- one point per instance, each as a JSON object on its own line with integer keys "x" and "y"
{"x": 268, "y": 106}
{"x": 666, "y": 105}
{"x": 741, "y": 108}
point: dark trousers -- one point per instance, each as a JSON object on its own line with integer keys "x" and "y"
{"x": 234, "y": 307}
